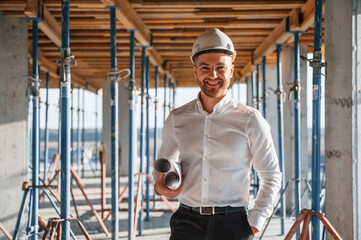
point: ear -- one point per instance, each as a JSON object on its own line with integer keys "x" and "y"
{"x": 195, "y": 71}
{"x": 232, "y": 70}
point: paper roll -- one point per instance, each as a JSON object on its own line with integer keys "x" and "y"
{"x": 172, "y": 172}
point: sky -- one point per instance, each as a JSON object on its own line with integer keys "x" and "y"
{"x": 183, "y": 95}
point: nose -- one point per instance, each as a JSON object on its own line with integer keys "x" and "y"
{"x": 213, "y": 73}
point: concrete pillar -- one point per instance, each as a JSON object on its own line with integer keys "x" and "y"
{"x": 289, "y": 147}
{"x": 343, "y": 116}
{"x": 13, "y": 117}
{"x": 271, "y": 100}
{"x": 123, "y": 128}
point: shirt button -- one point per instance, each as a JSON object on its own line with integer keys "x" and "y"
{"x": 205, "y": 179}
{"x": 205, "y": 157}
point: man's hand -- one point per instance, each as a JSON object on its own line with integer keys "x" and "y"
{"x": 161, "y": 189}
{"x": 255, "y": 230}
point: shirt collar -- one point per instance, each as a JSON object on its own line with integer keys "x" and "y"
{"x": 224, "y": 101}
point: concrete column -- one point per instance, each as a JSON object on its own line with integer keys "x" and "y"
{"x": 271, "y": 100}
{"x": 343, "y": 116}
{"x": 289, "y": 148}
{"x": 123, "y": 128}
{"x": 13, "y": 117}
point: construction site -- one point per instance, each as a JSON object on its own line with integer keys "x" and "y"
{"x": 87, "y": 86}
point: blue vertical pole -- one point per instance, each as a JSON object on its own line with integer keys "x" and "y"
{"x": 253, "y": 89}
{"x": 131, "y": 134}
{"x": 247, "y": 87}
{"x": 156, "y": 79}
{"x": 316, "y": 120}
{"x": 255, "y": 105}
{"x": 165, "y": 97}
{"x": 72, "y": 127}
{"x": 297, "y": 107}
{"x": 170, "y": 94}
{"x": 264, "y": 95}
{"x": 173, "y": 95}
{"x": 83, "y": 136}
{"x": 142, "y": 134}
{"x": 147, "y": 218}
{"x": 46, "y": 139}
{"x": 35, "y": 148}
{"x": 96, "y": 133}
{"x": 113, "y": 77}
{"x": 65, "y": 121}
{"x": 280, "y": 135}
{"x": 78, "y": 136}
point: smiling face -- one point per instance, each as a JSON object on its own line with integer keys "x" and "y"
{"x": 213, "y": 72}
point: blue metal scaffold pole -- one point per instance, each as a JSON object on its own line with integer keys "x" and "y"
{"x": 147, "y": 218}
{"x": 113, "y": 78}
{"x": 264, "y": 94}
{"x": 97, "y": 162}
{"x": 78, "y": 136}
{"x": 155, "y": 149}
{"x": 46, "y": 139}
{"x": 65, "y": 81}
{"x": 165, "y": 97}
{"x": 72, "y": 127}
{"x": 247, "y": 90}
{"x": 173, "y": 88}
{"x": 83, "y": 137}
{"x": 131, "y": 134}
{"x": 316, "y": 119}
{"x": 280, "y": 95}
{"x": 170, "y": 94}
{"x": 297, "y": 107}
{"x": 35, "y": 85}
{"x": 142, "y": 134}
{"x": 255, "y": 100}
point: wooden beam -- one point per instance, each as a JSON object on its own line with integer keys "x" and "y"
{"x": 131, "y": 21}
{"x": 255, "y": 4}
{"x": 279, "y": 35}
{"x": 49, "y": 26}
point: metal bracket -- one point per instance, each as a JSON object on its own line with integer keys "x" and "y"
{"x": 295, "y": 87}
{"x": 279, "y": 92}
{"x": 34, "y": 83}
{"x": 264, "y": 96}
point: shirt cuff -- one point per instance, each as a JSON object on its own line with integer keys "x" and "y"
{"x": 256, "y": 220}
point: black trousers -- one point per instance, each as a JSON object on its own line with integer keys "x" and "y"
{"x": 188, "y": 225}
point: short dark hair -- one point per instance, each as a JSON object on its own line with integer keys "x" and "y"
{"x": 229, "y": 53}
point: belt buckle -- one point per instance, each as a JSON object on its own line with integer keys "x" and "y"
{"x": 204, "y": 213}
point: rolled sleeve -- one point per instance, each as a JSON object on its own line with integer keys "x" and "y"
{"x": 265, "y": 162}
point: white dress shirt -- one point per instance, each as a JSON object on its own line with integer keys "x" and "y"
{"x": 216, "y": 152}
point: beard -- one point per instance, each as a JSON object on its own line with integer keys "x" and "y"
{"x": 210, "y": 91}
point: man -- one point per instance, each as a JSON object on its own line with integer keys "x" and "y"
{"x": 217, "y": 141}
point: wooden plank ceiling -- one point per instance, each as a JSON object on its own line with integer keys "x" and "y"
{"x": 254, "y": 26}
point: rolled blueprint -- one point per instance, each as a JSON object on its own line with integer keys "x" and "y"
{"x": 172, "y": 172}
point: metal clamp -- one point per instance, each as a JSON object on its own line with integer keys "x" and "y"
{"x": 131, "y": 85}
{"x": 34, "y": 83}
{"x": 295, "y": 87}
{"x": 316, "y": 61}
{"x": 279, "y": 92}
{"x": 264, "y": 96}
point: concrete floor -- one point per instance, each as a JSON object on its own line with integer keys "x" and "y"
{"x": 156, "y": 229}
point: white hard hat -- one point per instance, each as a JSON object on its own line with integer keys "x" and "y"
{"x": 213, "y": 40}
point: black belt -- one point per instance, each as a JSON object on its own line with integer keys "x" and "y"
{"x": 211, "y": 210}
